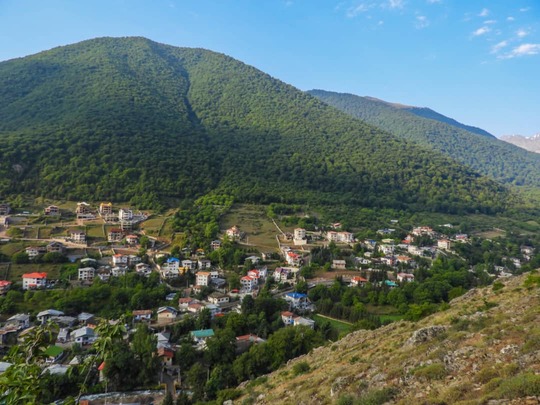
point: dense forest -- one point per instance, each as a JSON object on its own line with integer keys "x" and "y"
{"x": 128, "y": 119}
{"x": 478, "y": 150}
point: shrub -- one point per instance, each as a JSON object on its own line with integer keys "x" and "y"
{"x": 497, "y": 285}
{"x": 486, "y": 374}
{"x": 345, "y": 399}
{"x": 521, "y": 385}
{"x": 532, "y": 343}
{"x": 377, "y": 397}
{"x": 301, "y": 368}
{"x": 430, "y": 372}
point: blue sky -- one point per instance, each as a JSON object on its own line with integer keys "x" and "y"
{"x": 473, "y": 60}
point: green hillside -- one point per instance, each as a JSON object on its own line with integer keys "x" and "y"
{"x": 485, "y": 154}
{"x": 128, "y": 119}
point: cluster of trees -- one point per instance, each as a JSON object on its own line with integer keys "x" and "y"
{"x": 480, "y": 151}
{"x": 117, "y": 297}
{"x": 187, "y": 122}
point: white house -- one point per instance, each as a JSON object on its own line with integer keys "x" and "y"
{"x": 248, "y": 282}
{"x": 87, "y": 273}
{"x": 34, "y": 280}
{"x": 119, "y": 271}
{"x": 119, "y": 260}
{"x": 401, "y": 277}
{"x": 44, "y": 316}
{"x": 203, "y": 278}
{"x": 142, "y": 315}
{"x": 444, "y": 244}
{"x": 84, "y": 335}
{"x": 125, "y": 214}
{"x": 77, "y": 236}
{"x": 143, "y": 269}
{"x": 218, "y": 298}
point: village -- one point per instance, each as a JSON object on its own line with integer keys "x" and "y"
{"x": 198, "y": 288}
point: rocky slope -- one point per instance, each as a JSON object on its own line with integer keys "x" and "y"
{"x": 485, "y": 349}
{"x": 529, "y": 143}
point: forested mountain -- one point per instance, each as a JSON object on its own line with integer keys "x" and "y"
{"x": 529, "y": 143}
{"x": 485, "y": 154}
{"x": 128, "y": 119}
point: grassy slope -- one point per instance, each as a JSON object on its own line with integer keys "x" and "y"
{"x": 486, "y": 352}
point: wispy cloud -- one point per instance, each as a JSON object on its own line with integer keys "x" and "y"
{"x": 490, "y": 22}
{"x": 484, "y": 12}
{"x": 522, "y": 50}
{"x": 421, "y": 22}
{"x": 393, "y": 4}
{"x": 358, "y": 9}
{"x": 524, "y": 9}
{"x": 510, "y": 18}
{"x": 434, "y": 1}
{"x": 481, "y": 31}
{"x": 498, "y": 47}
{"x": 522, "y": 33}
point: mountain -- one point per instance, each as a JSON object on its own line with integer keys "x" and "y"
{"x": 485, "y": 349}
{"x": 129, "y": 119}
{"x": 531, "y": 144}
{"x": 485, "y": 154}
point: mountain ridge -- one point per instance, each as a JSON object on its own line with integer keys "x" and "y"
{"x": 485, "y": 154}
{"x": 530, "y": 143}
{"x": 129, "y": 119}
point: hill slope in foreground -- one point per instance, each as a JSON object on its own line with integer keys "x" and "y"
{"x": 486, "y": 346}
{"x": 128, "y": 119}
{"x": 481, "y": 152}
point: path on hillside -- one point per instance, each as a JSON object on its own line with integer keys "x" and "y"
{"x": 334, "y": 319}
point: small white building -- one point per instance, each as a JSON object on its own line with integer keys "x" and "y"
{"x": 203, "y": 278}
{"x": 34, "y": 280}
{"x": 87, "y": 273}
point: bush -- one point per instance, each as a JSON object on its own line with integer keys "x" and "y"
{"x": 522, "y": 385}
{"x": 377, "y": 397}
{"x": 435, "y": 371}
{"x": 497, "y": 285}
{"x": 301, "y": 368}
{"x": 345, "y": 399}
{"x": 486, "y": 374}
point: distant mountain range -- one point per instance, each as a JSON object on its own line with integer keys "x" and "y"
{"x": 471, "y": 146}
{"x": 529, "y": 143}
{"x": 129, "y": 119}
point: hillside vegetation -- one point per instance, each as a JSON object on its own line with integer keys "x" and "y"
{"x": 485, "y": 346}
{"x": 128, "y": 119}
{"x": 478, "y": 150}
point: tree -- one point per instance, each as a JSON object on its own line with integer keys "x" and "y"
{"x": 196, "y": 379}
{"x": 20, "y": 258}
{"x": 121, "y": 367}
{"x": 144, "y": 347}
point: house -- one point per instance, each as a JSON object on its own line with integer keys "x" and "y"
{"x": 63, "y": 335}
{"x": 4, "y": 209}
{"x": 34, "y": 280}
{"x": 462, "y": 237}
{"x": 34, "y": 251}
{"x": 53, "y": 354}
{"x": 104, "y": 273}
{"x": 19, "y": 321}
{"x": 405, "y": 277}
{"x": 281, "y": 274}
{"x": 142, "y": 315}
{"x": 184, "y": 302}
{"x": 162, "y": 339}
{"x": 342, "y": 237}
{"x": 244, "y": 342}
{"x": 86, "y": 274}
{"x": 172, "y": 264}
{"x": 195, "y": 307}
{"x": 387, "y": 249}
{"x": 143, "y": 269}
{"x": 105, "y": 208}
{"x": 301, "y": 321}
{"x": 115, "y": 235}
{"x": 287, "y": 317}
{"x": 214, "y": 309}
{"x": 4, "y": 286}
{"x": 56, "y": 247}
{"x": 444, "y": 244}
{"x": 233, "y": 233}
{"x": 44, "y": 316}
{"x": 204, "y": 264}
{"x": 166, "y": 314}
{"x": 85, "y": 318}
{"x": 215, "y": 244}
{"x": 339, "y": 264}
{"x": 132, "y": 239}
{"x": 83, "y": 336}
{"x": 125, "y": 214}
{"x": 189, "y": 264}
{"x": 422, "y": 230}
{"x": 388, "y": 260}
{"x": 83, "y": 211}
{"x": 77, "y": 236}
{"x": 89, "y": 262}
{"x": 52, "y": 210}
{"x": 218, "y": 298}
{"x": 362, "y": 261}
{"x": 119, "y": 271}
{"x": 293, "y": 259}
{"x": 253, "y": 259}
{"x": 133, "y": 260}
{"x": 166, "y": 354}
{"x": 248, "y": 283}
{"x": 203, "y": 278}
{"x": 297, "y": 300}
{"x": 405, "y": 260}
{"x": 358, "y": 281}
{"x": 201, "y": 336}
{"x": 119, "y": 260}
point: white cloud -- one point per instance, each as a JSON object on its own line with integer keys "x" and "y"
{"x": 522, "y": 50}
{"x": 434, "y": 1}
{"x": 421, "y": 22}
{"x": 524, "y": 9}
{"x": 510, "y": 18}
{"x": 481, "y": 31}
{"x": 358, "y": 9}
{"x": 522, "y": 33}
{"x": 393, "y": 4}
{"x": 484, "y": 12}
{"x": 490, "y": 22}
{"x": 497, "y": 47}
